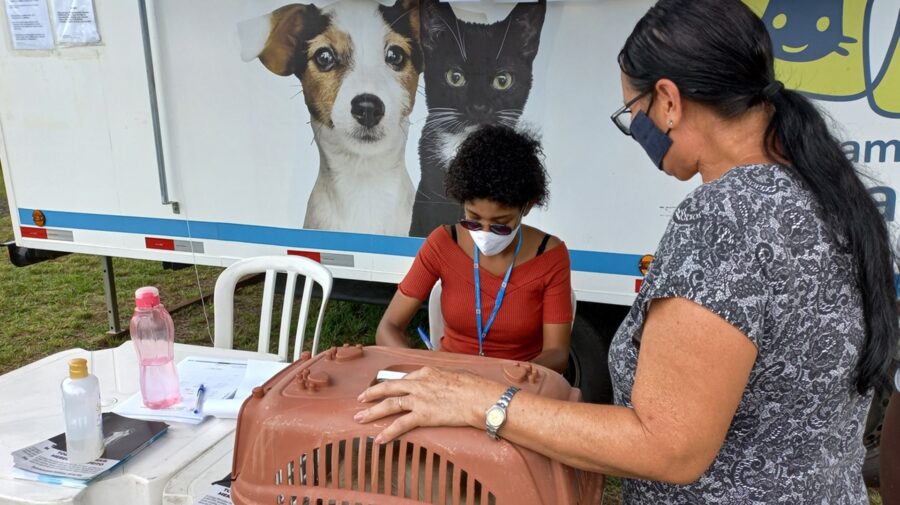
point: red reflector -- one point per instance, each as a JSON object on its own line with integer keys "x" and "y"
{"x": 637, "y": 285}
{"x": 159, "y": 243}
{"x": 306, "y": 254}
{"x": 30, "y": 232}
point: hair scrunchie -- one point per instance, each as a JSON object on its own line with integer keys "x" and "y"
{"x": 772, "y": 90}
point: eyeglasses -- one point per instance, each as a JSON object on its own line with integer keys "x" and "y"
{"x": 622, "y": 117}
{"x": 497, "y": 229}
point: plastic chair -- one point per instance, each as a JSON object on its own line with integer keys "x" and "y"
{"x": 272, "y": 265}
{"x": 436, "y": 318}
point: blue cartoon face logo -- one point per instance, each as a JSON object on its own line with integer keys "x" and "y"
{"x": 806, "y": 30}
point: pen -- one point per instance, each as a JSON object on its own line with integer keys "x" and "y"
{"x": 198, "y": 404}
{"x": 424, "y": 337}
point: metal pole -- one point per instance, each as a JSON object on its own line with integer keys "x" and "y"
{"x": 154, "y": 109}
{"x": 109, "y": 290}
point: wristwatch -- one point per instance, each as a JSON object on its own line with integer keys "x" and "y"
{"x": 495, "y": 417}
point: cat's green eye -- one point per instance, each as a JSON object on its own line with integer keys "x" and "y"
{"x": 455, "y": 78}
{"x": 502, "y": 81}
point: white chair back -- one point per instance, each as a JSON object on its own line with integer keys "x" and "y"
{"x": 272, "y": 265}
{"x": 574, "y": 306}
{"x": 435, "y": 317}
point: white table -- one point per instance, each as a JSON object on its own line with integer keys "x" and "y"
{"x": 30, "y": 411}
{"x": 194, "y": 480}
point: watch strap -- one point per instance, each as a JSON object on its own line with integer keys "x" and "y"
{"x": 502, "y": 403}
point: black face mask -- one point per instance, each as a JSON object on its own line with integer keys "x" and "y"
{"x": 655, "y": 141}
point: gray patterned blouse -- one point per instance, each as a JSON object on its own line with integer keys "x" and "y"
{"x": 751, "y": 247}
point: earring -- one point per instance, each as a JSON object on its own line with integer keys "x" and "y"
{"x": 670, "y": 123}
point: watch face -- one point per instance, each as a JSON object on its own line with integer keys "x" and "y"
{"x": 495, "y": 416}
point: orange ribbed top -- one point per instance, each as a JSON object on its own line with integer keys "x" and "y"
{"x": 539, "y": 292}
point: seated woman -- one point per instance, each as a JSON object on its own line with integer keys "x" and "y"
{"x": 520, "y": 279}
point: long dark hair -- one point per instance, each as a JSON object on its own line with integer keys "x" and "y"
{"x": 719, "y": 53}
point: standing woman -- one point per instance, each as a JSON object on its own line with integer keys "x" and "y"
{"x": 743, "y": 372}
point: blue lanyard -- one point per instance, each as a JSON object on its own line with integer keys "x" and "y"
{"x": 482, "y": 333}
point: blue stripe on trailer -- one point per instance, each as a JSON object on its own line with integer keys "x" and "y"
{"x": 582, "y": 261}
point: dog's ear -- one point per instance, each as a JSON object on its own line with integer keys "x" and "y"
{"x": 403, "y": 17}
{"x": 412, "y": 6}
{"x": 526, "y": 21}
{"x": 284, "y": 38}
{"x": 275, "y": 38}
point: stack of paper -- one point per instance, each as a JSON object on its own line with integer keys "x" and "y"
{"x": 257, "y": 373}
{"x": 227, "y": 382}
{"x": 219, "y": 376}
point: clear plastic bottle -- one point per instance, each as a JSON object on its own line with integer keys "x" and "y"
{"x": 153, "y": 334}
{"x": 81, "y": 410}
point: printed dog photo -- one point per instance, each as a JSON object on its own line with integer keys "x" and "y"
{"x": 358, "y": 63}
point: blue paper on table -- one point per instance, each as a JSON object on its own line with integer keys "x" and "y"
{"x": 46, "y": 461}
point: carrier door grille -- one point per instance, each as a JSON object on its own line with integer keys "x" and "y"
{"x": 401, "y": 469}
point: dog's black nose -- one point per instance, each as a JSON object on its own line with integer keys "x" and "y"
{"x": 368, "y": 109}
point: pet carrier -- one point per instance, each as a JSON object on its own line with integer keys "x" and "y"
{"x": 297, "y": 442}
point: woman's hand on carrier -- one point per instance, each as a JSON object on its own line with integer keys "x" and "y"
{"x": 429, "y": 397}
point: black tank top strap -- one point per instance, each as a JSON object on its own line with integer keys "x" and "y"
{"x": 543, "y": 245}
{"x": 453, "y": 233}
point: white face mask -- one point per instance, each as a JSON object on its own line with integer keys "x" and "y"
{"x": 491, "y": 244}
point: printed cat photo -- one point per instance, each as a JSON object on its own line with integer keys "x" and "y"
{"x": 475, "y": 74}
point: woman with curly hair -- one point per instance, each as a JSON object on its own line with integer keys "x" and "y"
{"x": 516, "y": 302}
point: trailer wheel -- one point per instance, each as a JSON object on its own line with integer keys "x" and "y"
{"x": 588, "y": 370}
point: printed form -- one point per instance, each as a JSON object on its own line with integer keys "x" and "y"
{"x": 220, "y": 376}
{"x": 29, "y": 24}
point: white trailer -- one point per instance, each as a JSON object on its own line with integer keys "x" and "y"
{"x": 185, "y": 135}
{"x": 230, "y": 170}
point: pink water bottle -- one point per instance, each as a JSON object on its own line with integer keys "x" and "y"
{"x": 153, "y": 334}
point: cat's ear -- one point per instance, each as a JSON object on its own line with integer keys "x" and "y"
{"x": 275, "y": 38}
{"x": 526, "y": 20}
{"x": 436, "y": 17}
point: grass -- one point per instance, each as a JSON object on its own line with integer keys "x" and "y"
{"x": 59, "y": 304}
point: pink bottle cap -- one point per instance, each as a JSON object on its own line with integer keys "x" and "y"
{"x": 146, "y": 297}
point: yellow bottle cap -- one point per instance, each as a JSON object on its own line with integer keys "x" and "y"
{"x": 78, "y": 368}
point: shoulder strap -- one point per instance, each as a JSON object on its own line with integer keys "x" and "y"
{"x": 453, "y": 233}
{"x": 543, "y": 245}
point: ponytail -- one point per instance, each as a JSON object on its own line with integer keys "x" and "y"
{"x": 798, "y": 132}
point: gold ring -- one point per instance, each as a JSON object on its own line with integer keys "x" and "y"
{"x": 400, "y": 402}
